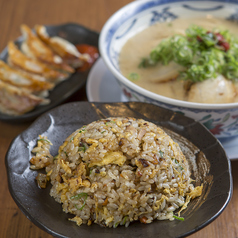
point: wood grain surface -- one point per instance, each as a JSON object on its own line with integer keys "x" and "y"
{"x": 92, "y": 14}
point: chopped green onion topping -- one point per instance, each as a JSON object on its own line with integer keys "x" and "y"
{"x": 178, "y": 218}
{"x": 203, "y": 54}
{"x": 146, "y": 62}
{"x": 133, "y": 76}
{"x": 170, "y": 24}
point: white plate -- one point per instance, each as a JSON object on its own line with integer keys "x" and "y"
{"x": 103, "y": 87}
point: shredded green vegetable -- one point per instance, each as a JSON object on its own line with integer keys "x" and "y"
{"x": 45, "y": 140}
{"x": 176, "y": 162}
{"x": 116, "y": 225}
{"x": 178, "y": 218}
{"x": 204, "y": 54}
{"x": 124, "y": 220}
{"x": 78, "y": 196}
{"x": 82, "y": 148}
{"x": 55, "y": 157}
{"x": 107, "y": 123}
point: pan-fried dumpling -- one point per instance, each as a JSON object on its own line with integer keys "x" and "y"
{"x": 19, "y": 60}
{"x": 62, "y": 47}
{"x": 21, "y": 79}
{"x": 16, "y": 101}
{"x": 33, "y": 47}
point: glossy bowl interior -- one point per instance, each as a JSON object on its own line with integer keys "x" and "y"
{"x": 220, "y": 119}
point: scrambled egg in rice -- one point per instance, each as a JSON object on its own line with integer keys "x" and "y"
{"x": 115, "y": 171}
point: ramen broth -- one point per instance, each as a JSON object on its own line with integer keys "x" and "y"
{"x": 141, "y": 44}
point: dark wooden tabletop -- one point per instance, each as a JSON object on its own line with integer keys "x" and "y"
{"x": 92, "y": 14}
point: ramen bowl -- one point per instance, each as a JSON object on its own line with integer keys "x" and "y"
{"x": 220, "y": 119}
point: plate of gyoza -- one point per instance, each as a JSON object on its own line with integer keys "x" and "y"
{"x": 44, "y": 67}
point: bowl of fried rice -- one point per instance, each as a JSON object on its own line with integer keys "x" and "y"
{"x": 115, "y": 171}
{"x": 122, "y": 169}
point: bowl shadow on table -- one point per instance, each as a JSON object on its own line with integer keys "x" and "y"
{"x": 209, "y": 166}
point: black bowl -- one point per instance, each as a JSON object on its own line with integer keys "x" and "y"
{"x": 213, "y": 170}
{"x": 76, "y": 34}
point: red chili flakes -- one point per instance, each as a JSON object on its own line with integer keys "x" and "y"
{"x": 199, "y": 38}
{"x": 221, "y": 42}
{"x": 225, "y": 45}
{"x": 219, "y": 37}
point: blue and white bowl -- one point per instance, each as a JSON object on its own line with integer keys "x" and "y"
{"x": 220, "y": 119}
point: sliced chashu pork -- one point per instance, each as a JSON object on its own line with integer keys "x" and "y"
{"x": 218, "y": 90}
{"x": 164, "y": 73}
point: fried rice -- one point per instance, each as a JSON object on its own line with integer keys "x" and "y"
{"x": 115, "y": 171}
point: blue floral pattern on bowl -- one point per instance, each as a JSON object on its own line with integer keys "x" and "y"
{"x": 223, "y": 121}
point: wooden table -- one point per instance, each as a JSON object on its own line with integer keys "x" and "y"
{"x": 92, "y": 14}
